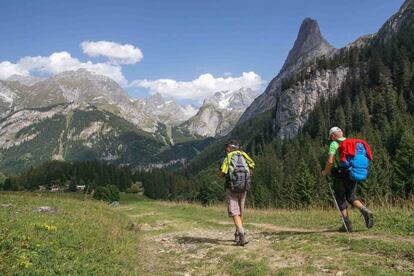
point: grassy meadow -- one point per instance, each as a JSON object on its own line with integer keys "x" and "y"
{"x": 146, "y": 237}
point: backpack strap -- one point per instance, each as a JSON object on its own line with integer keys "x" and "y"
{"x": 337, "y": 163}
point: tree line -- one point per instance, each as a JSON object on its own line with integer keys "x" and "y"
{"x": 69, "y": 175}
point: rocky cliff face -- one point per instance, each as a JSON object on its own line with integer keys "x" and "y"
{"x": 7, "y": 98}
{"x": 295, "y": 104}
{"x": 309, "y": 45}
{"x": 219, "y": 113}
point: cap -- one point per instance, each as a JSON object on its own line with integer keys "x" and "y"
{"x": 333, "y": 130}
{"x": 234, "y": 144}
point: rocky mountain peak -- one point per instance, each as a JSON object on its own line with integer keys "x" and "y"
{"x": 157, "y": 99}
{"x": 232, "y": 100}
{"x": 309, "y": 28}
{"x": 308, "y": 45}
{"x": 409, "y": 4}
{"x": 404, "y": 17}
{"x": 220, "y": 112}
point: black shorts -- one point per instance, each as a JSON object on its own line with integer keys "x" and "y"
{"x": 344, "y": 189}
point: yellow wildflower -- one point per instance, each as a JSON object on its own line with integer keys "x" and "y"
{"x": 24, "y": 261}
{"x": 50, "y": 228}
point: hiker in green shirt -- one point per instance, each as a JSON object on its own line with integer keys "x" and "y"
{"x": 236, "y": 198}
{"x": 343, "y": 186}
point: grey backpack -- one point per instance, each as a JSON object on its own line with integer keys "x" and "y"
{"x": 240, "y": 178}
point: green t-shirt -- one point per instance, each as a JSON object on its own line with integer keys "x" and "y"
{"x": 333, "y": 150}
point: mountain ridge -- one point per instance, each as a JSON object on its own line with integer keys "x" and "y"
{"x": 300, "y": 54}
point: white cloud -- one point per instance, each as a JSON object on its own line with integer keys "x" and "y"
{"x": 8, "y": 69}
{"x": 57, "y": 63}
{"x": 117, "y": 53}
{"x": 205, "y": 85}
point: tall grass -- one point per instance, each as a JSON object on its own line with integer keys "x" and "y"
{"x": 83, "y": 237}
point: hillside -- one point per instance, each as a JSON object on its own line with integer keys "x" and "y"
{"x": 144, "y": 237}
{"x": 69, "y": 132}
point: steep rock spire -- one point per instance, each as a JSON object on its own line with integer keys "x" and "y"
{"x": 309, "y": 44}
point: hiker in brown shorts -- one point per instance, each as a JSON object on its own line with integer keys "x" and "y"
{"x": 237, "y": 168}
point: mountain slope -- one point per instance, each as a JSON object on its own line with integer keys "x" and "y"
{"x": 26, "y": 80}
{"x": 168, "y": 112}
{"x": 71, "y": 132}
{"x": 219, "y": 114}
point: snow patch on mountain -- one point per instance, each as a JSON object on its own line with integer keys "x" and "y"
{"x": 220, "y": 113}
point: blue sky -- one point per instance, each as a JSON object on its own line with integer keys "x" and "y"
{"x": 181, "y": 40}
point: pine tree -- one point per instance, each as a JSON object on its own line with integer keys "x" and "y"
{"x": 304, "y": 182}
{"x": 340, "y": 119}
{"x": 404, "y": 164}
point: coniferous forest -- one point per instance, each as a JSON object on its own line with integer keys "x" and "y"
{"x": 90, "y": 174}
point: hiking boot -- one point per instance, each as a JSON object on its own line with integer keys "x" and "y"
{"x": 236, "y": 236}
{"x": 368, "y": 217}
{"x": 348, "y": 226}
{"x": 242, "y": 240}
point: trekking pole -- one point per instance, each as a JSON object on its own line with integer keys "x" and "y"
{"x": 336, "y": 204}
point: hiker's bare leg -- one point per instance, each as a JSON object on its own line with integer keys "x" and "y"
{"x": 238, "y": 222}
{"x": 344, "y": 213}
{"x": 357, "y": 204}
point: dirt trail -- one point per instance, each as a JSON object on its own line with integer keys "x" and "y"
{"x": 176, "y": 245}
{"x": 201, "y": 251}
{"x": 326, "y": 232}
{"x": 201, "y": 248}
{"x": 332, "y": 232}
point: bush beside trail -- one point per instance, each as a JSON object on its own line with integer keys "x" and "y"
{"x": 109, "y": 193}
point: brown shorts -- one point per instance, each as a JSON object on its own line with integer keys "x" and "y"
{"x": 235, "y": 203}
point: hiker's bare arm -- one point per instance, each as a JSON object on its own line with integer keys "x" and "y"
{"x": 222, "y": 174}
{"x": 328, "y": 165}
